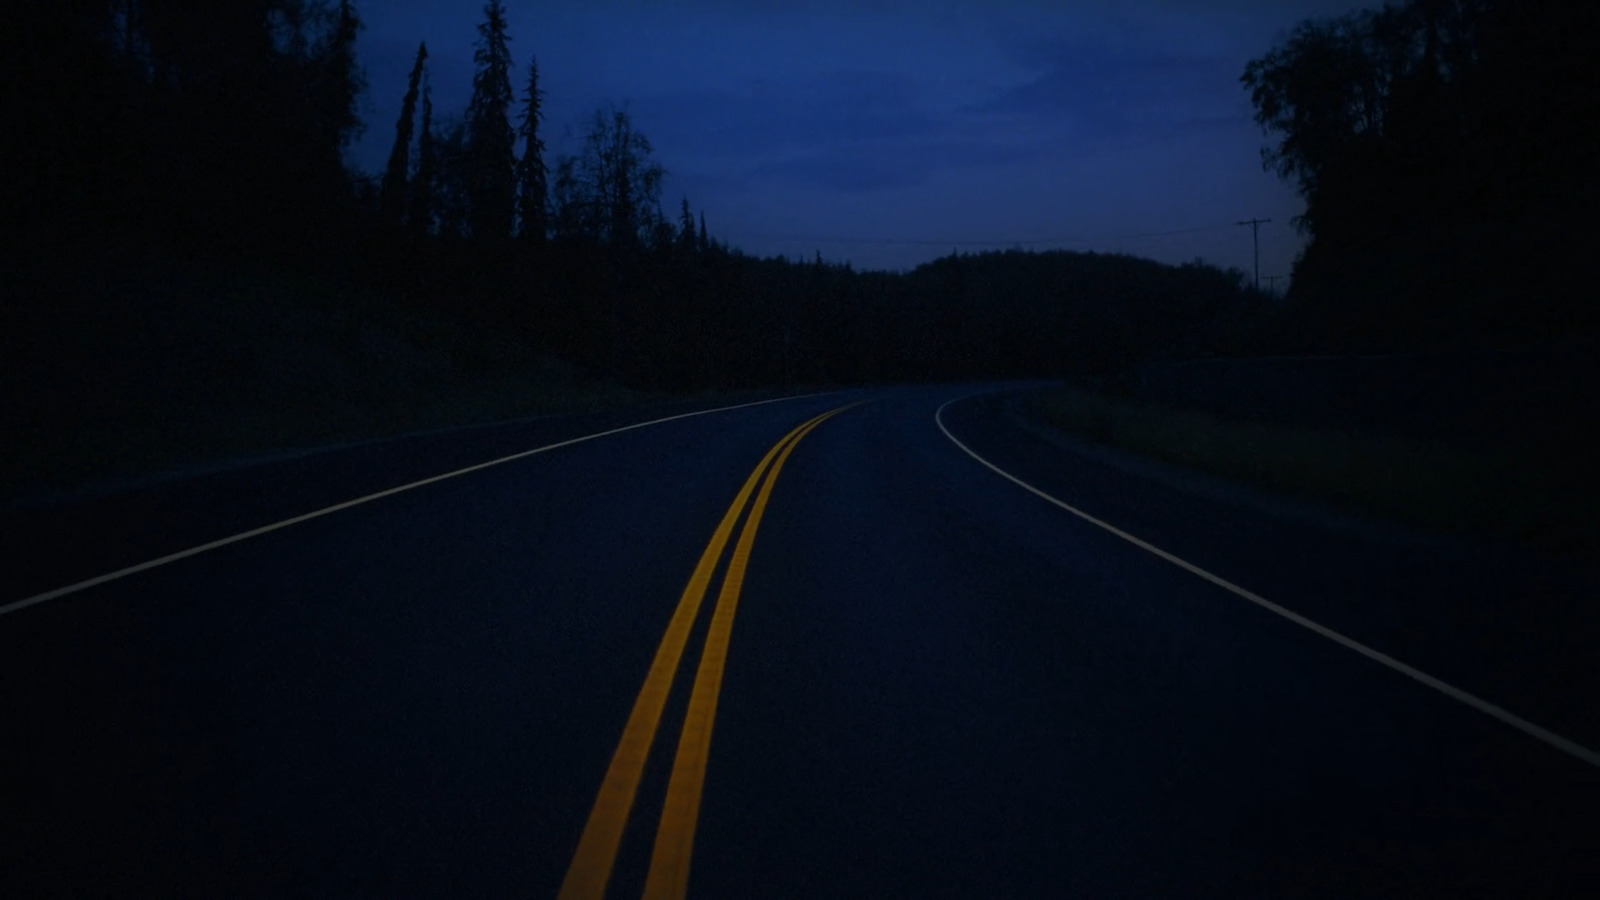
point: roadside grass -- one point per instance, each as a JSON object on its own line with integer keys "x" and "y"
{"x": 1523, "y": 494}
{"x": 130, "y": 373}
{"x": 64, "y": 460}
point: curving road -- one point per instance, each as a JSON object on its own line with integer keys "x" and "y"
{"x": 820, "y": 647}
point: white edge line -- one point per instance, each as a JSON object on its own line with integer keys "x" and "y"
{"x": 1566, "y": 745}
{"x": 22, "y": 604}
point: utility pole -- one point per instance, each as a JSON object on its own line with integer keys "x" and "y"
{"x": 1255, "y": 238}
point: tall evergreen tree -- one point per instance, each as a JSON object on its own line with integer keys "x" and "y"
{"x": 532, "y": 176}
{"x": 420, "y": 216}
{"x": 705, "y": 242}
{"x": 491, "y": 143}
{"x": 451, "y": 184}
{"x": 686, "y": 235}
{"x": 393, "y": 193}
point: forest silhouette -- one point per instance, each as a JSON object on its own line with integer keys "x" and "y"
{"x": 1448, "y": 156}
{"x": 1445, "y": 151}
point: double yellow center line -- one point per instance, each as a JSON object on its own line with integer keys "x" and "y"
{"x": 592, "y": 862}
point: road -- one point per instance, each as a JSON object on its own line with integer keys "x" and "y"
{"x": 916, "y": 677}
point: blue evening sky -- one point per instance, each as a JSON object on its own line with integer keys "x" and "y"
{"x": 889, "y": 133}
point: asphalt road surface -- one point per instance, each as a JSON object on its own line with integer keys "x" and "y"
{"x": 772, "y": 652}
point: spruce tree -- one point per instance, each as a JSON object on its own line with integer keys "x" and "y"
{"x": 420, "y": 217}
{"x": 392, "y": 198}
{"x": 686, "y": 235}
{"x": 532, "y": 175}
{"x": 491, "y": 143}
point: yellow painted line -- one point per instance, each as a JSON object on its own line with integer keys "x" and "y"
{"x": 1564, "y": 744}
{"x": 590, "y": 869}
{"x": 674, "y": 845}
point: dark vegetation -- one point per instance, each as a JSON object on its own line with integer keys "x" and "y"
{"x": 1438, "y": 352}
{"x": 177, "y": 190}
{"x": 177, "y": 195}
{"x": 1448, "y": 152}
{"x": 1502, "y": 491}
{"x": 1448, "y": 155}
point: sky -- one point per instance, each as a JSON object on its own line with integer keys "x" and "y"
{"x": 889, "y": 133}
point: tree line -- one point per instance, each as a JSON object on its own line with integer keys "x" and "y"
{"x": 580, "y": 256}
{"x": 205, "y": 122}
{"x": 1446, "y": 153}
{"x": 221, "y": 128}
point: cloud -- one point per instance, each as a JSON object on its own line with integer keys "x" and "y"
{"x": 860, "y": 130}
{"x": 1094, "y": 91}
{"x": 766, "y": 117}
{"x": 894, "y": 118}
{"x": 843, "y": 131}
{"x": 842, "y": 172}
{"x": 894, "y": 163}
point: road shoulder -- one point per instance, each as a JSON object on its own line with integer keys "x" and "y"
{"x": 1493, "y": 620}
